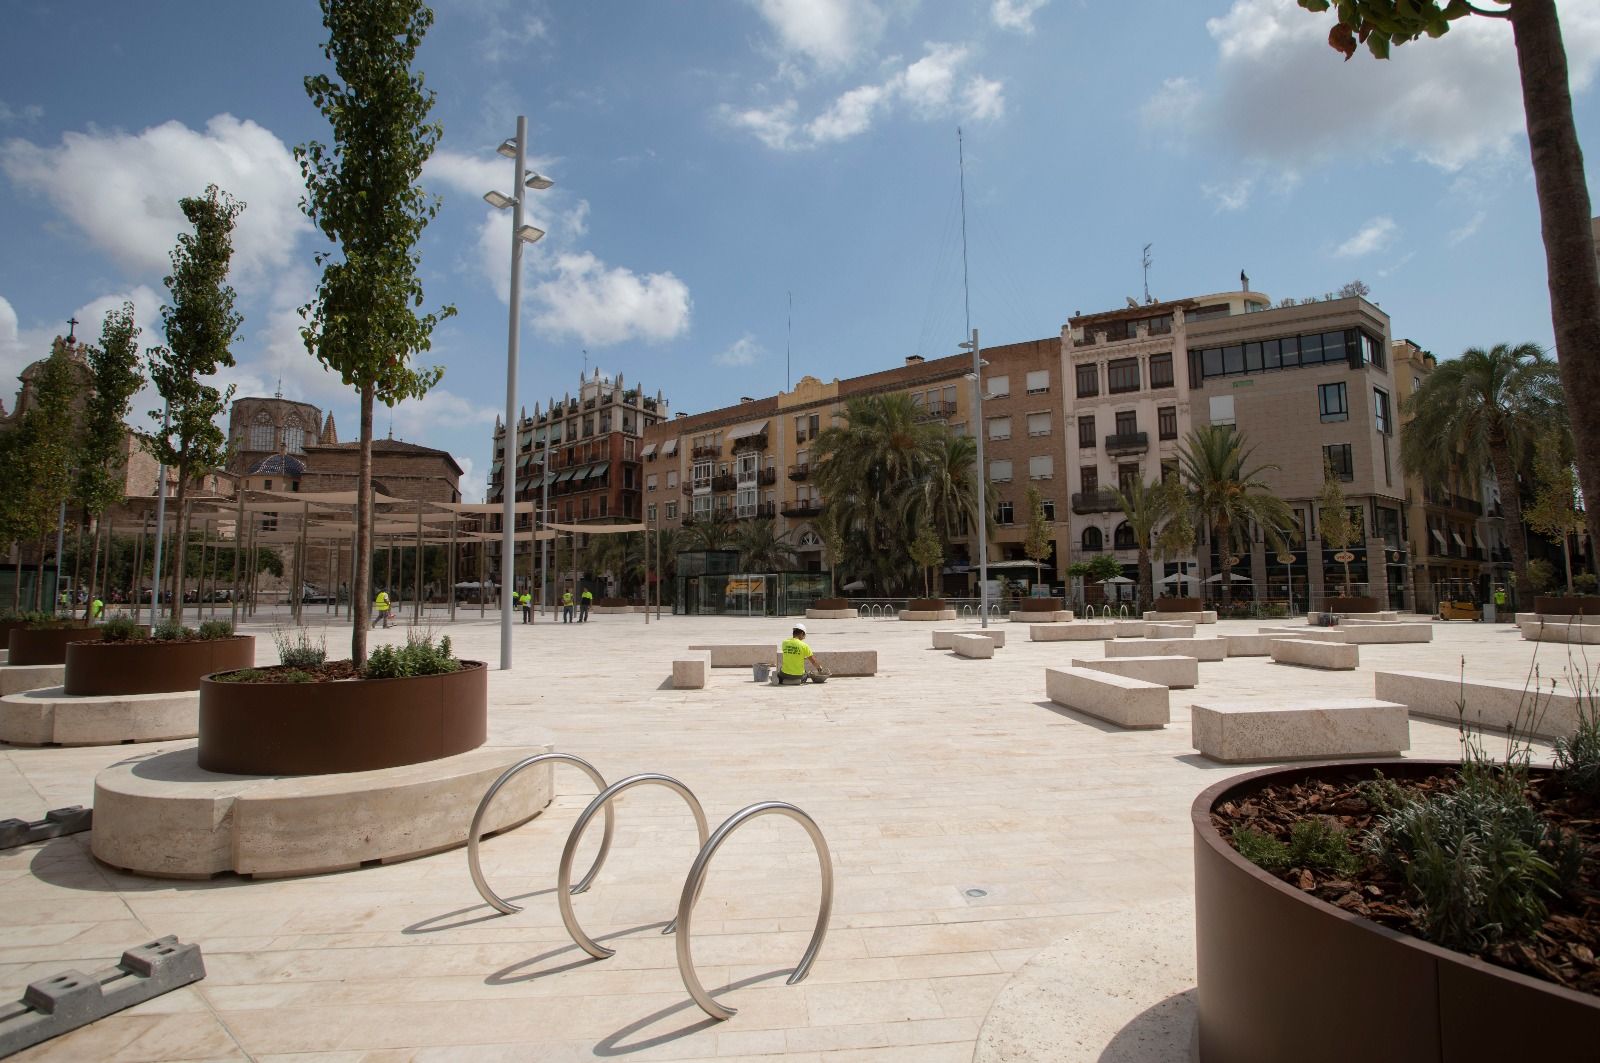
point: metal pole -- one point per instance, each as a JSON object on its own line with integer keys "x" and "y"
{"x": 453, "y": 518}
{"x": 508, "y": 473}
{"x": 983, "y": 501}
{"x": 416, "y": 610}
{"x": 161, "y": 522}
{"x": 61, "y": 529}
{"x": 544, "y": 544}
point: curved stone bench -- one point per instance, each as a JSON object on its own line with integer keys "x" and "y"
{"x": 1171, "y": 672}
{"x": 51, "y": 717}
{"x": 1490, "y": 704}
{"x": 1078, "y": 631}
{"x": 15, "y": 678}
{"x": 1238, "y": 731}
{"x": 1333, "y": 656}
{"x": 163, "y": 816}
{"x": 689, "y": 673}
{"x": 1130, "y": 703}
{"x": 946, "y": 639}
{"x": 1207, "y": 649}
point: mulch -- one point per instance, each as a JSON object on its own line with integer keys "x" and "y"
{"x": 327, "y": 672}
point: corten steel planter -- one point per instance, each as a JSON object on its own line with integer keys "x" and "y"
{"x": 349, "y": 725}
{"x": 153, "y": 667}
{"x": 1179, "y": 605}
{"x": 1041, "y": 605}
{"x": 1354, "y": 604}
{"x": 1285, "y": 976}
{"x": 1567, "y": 605}
{"x": 831, "y": 603}
{"x": 926, "y": 605}
{"x": 48, "y": 646}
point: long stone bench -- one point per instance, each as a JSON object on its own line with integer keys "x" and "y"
{"x": 927, "y": 614}
{"x": 1490, "y": 704}
{"x": 689, "y": 671}
{"x": 1204, "y": 616}
{"x": 850, "y": 664}
{"x": 1078, "y": 631}
{"x": 1313, "y": 634}
{"x": 1207, "y": 649}
{"x": 1333, "y": 656}
{"x": 974, "y": 646}
{"x": 739, "y": 654}
{"x": 1266, "y": 730}
{"x": 1060, "y": 616}
{"x": 946, "y": 639}
{"x": 1567, "y": 631}
{"x": 1171, "y": 672}
{"x": 1131, "y": 703}
{"x": 1248, "y": 645}
{"x": 1131, "y": 629}
{"x": 52, "y": 717}
{"x": 1387, "y": 616}
{"x": 1174, "y": 630}
{"x": 1372, "y": 634}
{"x": 831, "y": 614}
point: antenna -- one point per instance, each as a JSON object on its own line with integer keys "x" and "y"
{"x": 966, "y": 297}
{"x": 279, "y": 393}
{"x": 788, "y": 377}
{"x": 1146, "y": 264}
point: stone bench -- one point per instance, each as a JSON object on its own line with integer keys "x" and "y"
{"x": 689, "y": 672}
{"x": 1078, "y": 631}
{"x": 1156, "y": 630}
{"x": 831, "y": 614}
{"x": 51, "y": 717}
{"x": 849, "y": 664}
{"x": 927, "y": 614}
{"x": 1205, "y": 616}
{"x": 1211, "y": 649}
{"x": 1567, "y": 630}
{"x": 1334, "y": 656}
{"x": 15, "y": 678}
{"x": 974, "y": 646}
{"x": 1312, "y": 634}
{"x": 1268, "y": 730}
{"x": 1248, "y": 645}
{"x": 1373, "y": 634}
{"x": 739, "y": 655}
{"x": 1131, "y": 629}
{"x": 1171, "y": 672}
{"x": 1490, "y": 704}
{"x": 946, "y": 639}
{"x": 1131, "y": 703}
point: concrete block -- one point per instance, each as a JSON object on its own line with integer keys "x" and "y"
{"x": 1314, "y": 634}
{"x": 1078, "y": 631}
{"x": 927, "y": 614}
{"x": 50, "y": 716}
{"x": 1246, "y": 645}
{"x": 831, "y": 614}
{"x": 15, "y": 678}
{"x": 1204, "y": 616}
{"x": 689, "y": 672}
{"x": 1118, "y": 699}
{"x": 1384, "y": 632}
{"x": 1181, "y": 630}
{"x": 1267, "y": 730}
{"x": 975, "y": 646}
{"x": 1171, "y": 672}
{"x": 945, "y": 639}
{"x": 57, "y": 823}
{"x": 1334, "y": 656}
{"x": 1489, "y": 704}
{"x": 1568, "y": 631}
{"x": 845, "y": 663}
{"x": 1131, "y": 629}
{"x": 739, "y": 654}
{"x": 1206, "y": 649}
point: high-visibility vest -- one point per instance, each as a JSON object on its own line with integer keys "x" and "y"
{"x": 566, "y": 597}
{"x": 381, "y": 602}
{"x": 96, "y": 607}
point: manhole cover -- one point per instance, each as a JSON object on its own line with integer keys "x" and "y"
{"x": 977, "y": 893}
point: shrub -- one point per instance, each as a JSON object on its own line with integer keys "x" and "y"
{"x": 1578, "y": 757}
{"x": 1585, "y": 582}
{"x": 296, "y": 649}
{"x": 120, "y": 629}
{"x": 1314, "y": 842}
{"x": 171, "y": 631}
{"x": 295, "y": 675}
{"x": 419, "y": 656}
{"x": 45, "y": 621}
{"x": 243, "y": 675}
{"x": 216, "y": 629}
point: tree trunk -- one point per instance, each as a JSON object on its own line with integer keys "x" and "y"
{"x": 1223, "y": 554}
{"x": 77, "y": 565}
{"x": 180, "y": 536}
{"x": 361, "y": 578}
{"x": 1569, "y": 248}
{"x": 1147, "y": 578}
{"x": 38, "y": 585}
{"x": 1566, "y": 559}
{"x": 94, "y": 566}
{"x": 1505, "y": 476}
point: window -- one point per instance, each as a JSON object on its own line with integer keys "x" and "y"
{"x": 650, "y": 513}
{"x": 1000, "y": 472}
{"x": 1161, "y": 370}
{"x": 262, "y": 435}
{"x": 1122, "y": 375}
{"x": 1128, "y": 475}
{"x": 603, "y": 501}
{"x": 1093, "y": 541}
{"x": 1127, "y": 422}
{"x": 1332, "y": 402}
{"x": 1371, "y": 350}
{"x": 586, "y": 509}
{"x": 1041, "y": 467}
{"x": 650, "y": 482}
{"x": 672, "y": 479}
{"x": 1089, "y": 476}
{"x": 702, "y": 474}
{"x": 999, "y": 428}
{"x": 746, "y": 502}
{"x": 1338, "y": 456}
{"x": 1222, "y": 409}
{"x": 1167, "y": 422}
{"x": 1169, "y": 470}
{"x": 1122, "y": 538}
{"x": 747, "y": 465}
{"x": 1380, "y": 410}
{"x": 1038, "y": 424}
{"x": 702, "y": 506}
{"x": 1038, "y": 381}
{"x": 1048, "y": 508}
{"x": 294, "y": 438}
{"x": 996, "y": 387}
{"x": 1088, "y": 380}
{"x": 1003, "y": 514}
{"x": 1086, "y": 433}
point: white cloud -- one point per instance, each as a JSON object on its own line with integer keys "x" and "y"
{"x": 773, "y": 126}
{"x": 1375, "y": 235}
{"x": 24, "y": 115}
{"x": 1397, "y": 265}
{"x": 600, "y": 304}
{"x": 473, "y": 175}
{"x": 1015, "y": 14}
{"x": 1467, "y": 231}
{"x": 850, "y": 115}
{"x": 439, "y": 411}
{"x": 830, "y": 33}
{"x": 743, "y": 351}
{"x": 1234, "y": 195}
{"x": 472, "y": 486}
{"x": 927, "y": 83}
{"x": 1173, "y": 105}
{"x": 983, "y": 100}
{"x": 122, "y": 189}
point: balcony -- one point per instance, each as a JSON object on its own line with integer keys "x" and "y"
{"x": 706, "y": 452}
{"x": 750, "y": 443}
{"x": 939, "y": 411}
{"x": 759, "y": 511}
{"x": 767, "y": 477}
{"x": 799, "y": 472}
{"x": 689, "y": 486}
{"x": 724, "y": 482}
{"x": 1128, "y": 443}
{"x": 802, "y": 508}
{"x": 1100, "y": 500}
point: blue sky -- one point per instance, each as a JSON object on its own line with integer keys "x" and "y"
{"x": 713, "y": 159}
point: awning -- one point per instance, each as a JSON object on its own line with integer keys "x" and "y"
{"x": 566, "y": 475}
{"x": 1477, "y": 539}
{"x": 669, "y": 447}
{"x": 649, "y": 450}
{"x": 745, "y": 431}
{"x": 1438, "y": 535}
{"x": 1459, "y": 541}
{"x": 597, "y": 471}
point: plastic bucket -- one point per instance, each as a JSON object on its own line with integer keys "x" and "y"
{"x": 762, "y": 671}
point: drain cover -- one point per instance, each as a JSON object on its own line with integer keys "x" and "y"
{"x": 977, "y": 893}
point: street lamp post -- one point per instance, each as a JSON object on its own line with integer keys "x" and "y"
{"x": 523, "y": 179}
{"x": 976, "y": 376}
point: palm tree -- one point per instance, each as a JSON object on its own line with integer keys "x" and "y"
{"x": 1147, "y": 506}
{"x": 1227, "y": 495}
{"x": 761, "y": 549}
{"x": 1484, "y": 409}
{"x": 710, "y": 533}
{"x": 943, "y": 497}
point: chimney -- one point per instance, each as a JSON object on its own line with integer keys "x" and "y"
{"x": 914, "y": 359}
{"x": 680, "y": 415}
{"x": 744, "y": 399}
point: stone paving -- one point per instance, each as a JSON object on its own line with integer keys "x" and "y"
{"x": 939, "y": 778}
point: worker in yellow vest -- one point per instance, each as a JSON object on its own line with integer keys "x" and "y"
{"x": 97, "y": 608}
{"x": 566, "y": 606}
{"x": 798, "y": 663}
{"x": 527, "y": 607}
{"x": 585, "y": 600}
{"x": 380, "y": 609}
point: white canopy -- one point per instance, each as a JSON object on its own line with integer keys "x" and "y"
{"x": 745, "y": 431}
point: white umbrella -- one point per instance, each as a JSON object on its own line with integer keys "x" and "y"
{"x": 1117, "y": 579}
{"x": 1236, "y": 578}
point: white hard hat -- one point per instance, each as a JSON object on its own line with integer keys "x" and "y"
{"x": 800, "y": 627}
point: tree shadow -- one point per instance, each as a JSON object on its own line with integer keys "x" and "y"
{"x": 613, "y": 1044}
{"x": 1165, "y": 1032}
{"x": 426, "y": 926}
{"x": 510, "y": 976}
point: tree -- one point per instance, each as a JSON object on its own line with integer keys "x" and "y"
{"x": 36, "y": 454}
{"x": 1354, "y": 288}
{"x": 114, "y": 378}
{"x": 1038, "y": 543}
{"x": 1146, "y": 506}
{"x": 1228, "y": 496}
{"x": 1339, "y": 531}
{"x": 1484, "y": 410}
{"x": 715, "y": 532}
{"x": 201, "y": 326}
{"x": 362, "y": 193}
{"x": 761, "y": 549}
{"x": 1558, "y": 176}
{"x": 928, "y": 554}
{"x": 1555, "y": 511}
{"x": 1098, "y": 568}
{"x": 827, "y": 527}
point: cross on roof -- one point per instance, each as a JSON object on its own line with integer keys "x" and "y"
{"x": 72, "y": 329}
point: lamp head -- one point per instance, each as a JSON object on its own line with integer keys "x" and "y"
{"x": 508, "y": 148}
{"x": 537, "y": 180}
{"x": 498, "y": 200}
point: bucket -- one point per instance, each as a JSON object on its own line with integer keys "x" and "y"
{"x": 762, "y": 671}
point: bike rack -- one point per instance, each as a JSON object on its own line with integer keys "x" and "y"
{"x": 966, "y": 610}
{"x": 602, "y": 802}
{"x": 697, "y": 874}
{"x": 1088, "y": 612}
{"x": 474, "y": 835}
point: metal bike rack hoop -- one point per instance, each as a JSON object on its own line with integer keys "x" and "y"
{"x": 475, "y": 832}
{"x": 696, "y": 879}
{"x": 601, "y": 802}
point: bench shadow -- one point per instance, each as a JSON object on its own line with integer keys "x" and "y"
{"x": 614, "y": 1044}
{"x": 666, "y": 684}
{"x": 510, "y": 975}
{"x": 1165, "y": 1032}
{"x": 1083, "y": 718}
{"x": 427, "y": 926}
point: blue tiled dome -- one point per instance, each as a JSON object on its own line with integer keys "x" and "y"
{"x": 279, "y": 465}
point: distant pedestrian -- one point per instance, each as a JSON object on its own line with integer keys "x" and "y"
{"x": 97, "y": 608}
{"x": 566, "y": 606}
{"x": 527, "y": 608}
{"x": 584, "y": 601}
{"x": 380, "y": 609}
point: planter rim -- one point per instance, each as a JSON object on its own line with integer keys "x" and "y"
{"x": 148, "y": 641}
{"x": 1211, "y": 796}
{"x": 466, "y": 666}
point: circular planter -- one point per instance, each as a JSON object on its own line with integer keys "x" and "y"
{"x": 1354, "y": 604}
{"x": 1567, "y": 605}
{"x": 1285, "y": 976}
{"x": 351, "y": 725}
{"x": 1178, "y": 605}
{"x": 48, "y": 646}
{"x": 153, "y": 667}
{"x": 1041, "y": 605}
{"x": 831, "y": 603}
{"x": 926, "y": 605}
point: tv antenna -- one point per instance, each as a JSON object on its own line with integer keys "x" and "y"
{"x": 1145, "y": 262}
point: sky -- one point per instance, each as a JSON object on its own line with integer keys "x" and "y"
{"x": 747, "y": 191}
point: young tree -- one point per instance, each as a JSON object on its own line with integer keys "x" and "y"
{"x": 114, "y": 378}
{"x": 1145, "y": 505}
{"x": 1339, "y": 530}
{"x": 1558, "y": 177}
{"x": 827, "y": 525}
{"x": 927, "y": 552}
{"x": 362, "y": 193}
{"x": 201, "y": 327}
{"x": 1228, "y": 496}
{"x": 36, "y": 455}
{"x": 1038, "y": 543}
{"x": 1355, "y": 287}
{"x": 1555, "y": 511}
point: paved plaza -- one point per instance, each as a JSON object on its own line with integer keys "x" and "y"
{"x": 974, "y": 826}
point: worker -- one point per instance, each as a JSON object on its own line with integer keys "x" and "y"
{"x": 798, "y": 663}
{"x": 527, "y": 608}
{"x": 566, "y": 606}
{"x": 585, "y": 600}
{"x": 97, "y": 608}
{"x": 380, "y": 609}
